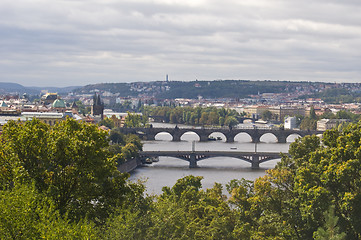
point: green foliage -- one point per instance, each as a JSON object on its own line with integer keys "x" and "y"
{"x": 302, "y": 187}
{"x": 187, "y": 212}
{"x": 308, "y": 123}
{"x": 116, "y": 137}
{"x": 231, "y": 122}
{"x": 338, "y": 95}
{"x": 330, "y": 231}
{"x": 267, "y": 115}
{"x": 210, "y": 116}
{"x": 106, "y": 122}
{"x": 82, "y": 108}
{"x": 135, "y": 120}
{"x": 26, "y": 214}
{"x": 69, "y": 163}
{"x": 313, "y": 115}
{"x": 61, "y": 182}
{"x": 224, "y": 88}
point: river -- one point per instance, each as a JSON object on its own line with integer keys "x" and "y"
{"x": 220, "y": 169}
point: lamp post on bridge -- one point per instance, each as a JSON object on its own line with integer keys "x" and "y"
{"x": 255, "y": 142}
{"x": 255, "y": 157}
{"x": 192, "y": 157}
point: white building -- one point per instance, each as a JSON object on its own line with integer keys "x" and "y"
{"x": 290, "y": 123}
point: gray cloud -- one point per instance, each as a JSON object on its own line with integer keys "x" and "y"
{"x": 71, "y": 42}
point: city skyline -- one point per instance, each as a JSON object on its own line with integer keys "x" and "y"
{"x": 66, "y": 43}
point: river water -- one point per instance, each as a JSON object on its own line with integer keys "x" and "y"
{"x": 219, "y": 169}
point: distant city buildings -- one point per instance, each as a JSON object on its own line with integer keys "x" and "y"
{"x": 283, "y": 106}
{"x": 326, "y": 124}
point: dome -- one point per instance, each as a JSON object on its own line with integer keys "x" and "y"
{"x": 59, "y": 103}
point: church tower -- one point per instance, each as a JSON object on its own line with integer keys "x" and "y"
{"x": 98, "y": 106}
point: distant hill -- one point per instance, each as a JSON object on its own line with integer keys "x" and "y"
{"x": 58, "y": 90}
{"x": 6, "y": 87}
{"x": 124, "y": 89}
{"x": 15, "y": 88}
{"x": 206, "y": 89}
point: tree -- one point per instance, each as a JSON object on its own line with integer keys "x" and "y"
{"x": 231, "y": 121}
{"x": 330, "y": 231}
{"x": 303, "y": 186}
{"x": 308, "y": 124}
{"x": 204, "y": 118}
{"x": 116, "y": 137}
{"x": 213, "y": 118}
{"x": 266, "y": 115}
{"x": 344, "y": 115}
{"x": 221, "y": 121}
{"x": 108, "y": 122}
{"x": 133, "y": 120}
{"x": 69, "y": 163}
{"x": 187, "y": 212}
{"x": 27, "y": 214}
{"x": 313, "y": 115}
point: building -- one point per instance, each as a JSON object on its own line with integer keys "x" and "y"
{"x": 290, "y": 122}
{"x": 326, "y": 124}
{"x": 98, "y": 107}
{"x": 50, "y": 118}
{"x": 49, "y": 98}
{"x": 59, "y": 105}
{"x": 278, "y": 112}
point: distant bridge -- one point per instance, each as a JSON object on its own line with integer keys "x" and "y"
{"x": 255, "y": 158}
{"x": 204, "y": 133}
{"x": 158, "y": 118}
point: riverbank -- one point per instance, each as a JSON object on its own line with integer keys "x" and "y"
{"x": 129, "y": 166}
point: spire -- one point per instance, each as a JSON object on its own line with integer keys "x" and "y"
{"x": 99, "y": 102}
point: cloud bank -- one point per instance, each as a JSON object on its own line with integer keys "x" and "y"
{"x": 78, "y": 42}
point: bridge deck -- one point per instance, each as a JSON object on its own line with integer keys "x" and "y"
{"x": 255, "y": 158}
{"x": 209, "y": 153}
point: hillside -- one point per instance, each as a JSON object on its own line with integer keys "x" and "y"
{"x": 14, "y": 88}
{"x": 206, "y": 89}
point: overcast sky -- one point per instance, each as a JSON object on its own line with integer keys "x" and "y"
{"x": 79, "y": 42}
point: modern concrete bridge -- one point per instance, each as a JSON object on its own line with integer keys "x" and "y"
{"x": 255, "y": 158}
{"x": 204, "y": 133}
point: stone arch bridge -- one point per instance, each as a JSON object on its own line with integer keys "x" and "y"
{"x": 204, "y": 133}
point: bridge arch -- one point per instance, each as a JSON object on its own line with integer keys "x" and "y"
{"x": 269, "y": 138}
{"x": 243, "y": 137}
{"x": 292, "y": 137}
{"x": 190, "y": 136}
{"x": 217, "y": 136}
{"x": 163, "y": 136}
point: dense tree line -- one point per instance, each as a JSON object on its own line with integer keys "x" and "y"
{"x": 62, "y": 182}
{"x": 195, "y": 116}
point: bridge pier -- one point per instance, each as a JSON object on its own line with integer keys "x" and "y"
{"x": 255, "y": 161}
{"x": 176, "y": 138}
{"x": 203, "y": 138}
{"x": 230, "y": 139}
{"x": 282, "y": 139}
{"x": 256, "y": 139}
{"x": 192, "y": 161}
{"x": 150, "y": 137}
